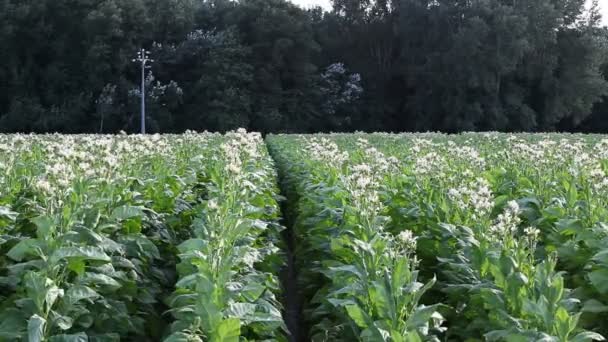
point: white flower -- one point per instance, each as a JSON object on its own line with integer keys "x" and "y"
{"x": 531, "y": 232}
{"x": 506, "y": 223}
{"x": 43, "y": 185}
{"x": 407, "y": 240}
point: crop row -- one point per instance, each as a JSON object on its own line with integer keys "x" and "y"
{"x": 108, "y": 238}
{"x": 460, "y": 238}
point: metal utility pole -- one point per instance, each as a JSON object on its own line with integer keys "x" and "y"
{"x": 143, "y": 57}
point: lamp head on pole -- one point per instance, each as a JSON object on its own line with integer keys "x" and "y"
{"x": 143, "y": 57}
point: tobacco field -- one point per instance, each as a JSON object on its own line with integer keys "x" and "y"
{"x": 325, "y": 237}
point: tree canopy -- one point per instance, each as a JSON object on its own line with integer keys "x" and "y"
{"x": 268, "y": 65}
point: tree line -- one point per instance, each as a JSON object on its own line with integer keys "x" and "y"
{"x": 270, "y": 66}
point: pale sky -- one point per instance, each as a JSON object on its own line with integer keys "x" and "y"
{"x": 604, "y": 6}
{"x": 325, "y": 4}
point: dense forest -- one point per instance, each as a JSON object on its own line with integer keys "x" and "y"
{"x": 268, "y": 65}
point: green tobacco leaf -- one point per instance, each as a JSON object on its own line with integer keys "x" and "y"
{"x": 26, "y": 247}
{"x": 382, "y": 301}
{"x": 229, "y": 330}
{"x": 12, "y": 325}
{"x": 588, "y": 336}
{"x": 80, "y": 337}
{"x": 420, "y": 317}
{"x": 251, "y": 292}
{"x": 599, "y": 279}
{"x": 412, "y": 337}
{"x": 36, "y": 288}
{"x": 63, "y": 322}
{"x": 109, "y": 337}
{"x": 188, "y": 281}
{"x": 84, "y": 253}
{"x": 7, "y": 216}
{"x": 99, "y": 279}
{"x": 80, "y": 292}
{"x": 241, "y": 311}
{"x": 358, "y": 315}
{"x": 52, "y": 294}
{"x": 77, "y": 265}
{"x": 569, "y": 226}
{"x": 192, "y": 244}
{"x": 178, "y": 337}
{"x": 602, "y": 257}
{"x": 593, "y": 305}
{"x": 45, "y": 226}
{"x": 126, "y": 212}
{"x": 516, "y": 338}
{"x": 35, "y": 328}
{"x": 562, "y": 321}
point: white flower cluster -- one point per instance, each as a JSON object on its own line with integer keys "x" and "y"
{"x": 55, "y": 162}
{"x": 378, "y": 160}
{"x": 240, "y": 147}
{"x": 469, "y": 155}
{"x": 362, "y": 183}
{"x": 420, "y": 144}
{"x": 406, "y": 241}
{"x": 506, "y": 223}
{"x": 598, "y": 178}
{"x": 600, "y": 149}
{"x": 528, "y": 151}
{"x": 475, "y": 196}
{"x": 431, "y": 163}
{"x": 326, "y": 151}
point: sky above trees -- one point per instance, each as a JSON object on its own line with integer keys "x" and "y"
{"x": 322, "y": 3}
{"x": 326, "y": 4}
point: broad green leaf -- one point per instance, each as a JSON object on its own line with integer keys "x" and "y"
{"x": 77, "y": 293}
{"x": 84, "y": 253}
{"x": 36, "y": 288}
{"x": 593, "y": 305}
{"x": 412, "y": 336}
{"x": 241, "y": 310}
{"x": 229, "y": 330}
{"x": 35, "y": 328}
{"x": 109, "y": 337}
{"x": 12, "y": 325}
{"x": 397, "y": 337}
{"x": 192, "y": 244}
{"x": 599, "y": 279}
{"x": 45, "y": 226}
{"x": 588, "y": 336}
{"x": 562, "y": 322}
{"x": 26, "y": 247}
{"x": 77, "y": 265}
{"x": 7, "y": 216}
{"x": 188, "y": 281}
{"x": 126, "y": 212}
{"x": 602, "y": 257}
{"x": 420, "y": 317}
{"x": 98, "y": 279}
{"x": 251, "y": 292}
{"x": 52, "y": 294}
{"x": 357, "y": 315}
{"x": 63, "y": 322}
{"x": 569, "y": 226}
{"x": 516, "y": 338}
{"x": 178, "y": 337}
{"x": 80, "y": 337}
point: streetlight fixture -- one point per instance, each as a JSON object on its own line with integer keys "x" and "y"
{"x": 143, "y": 57}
